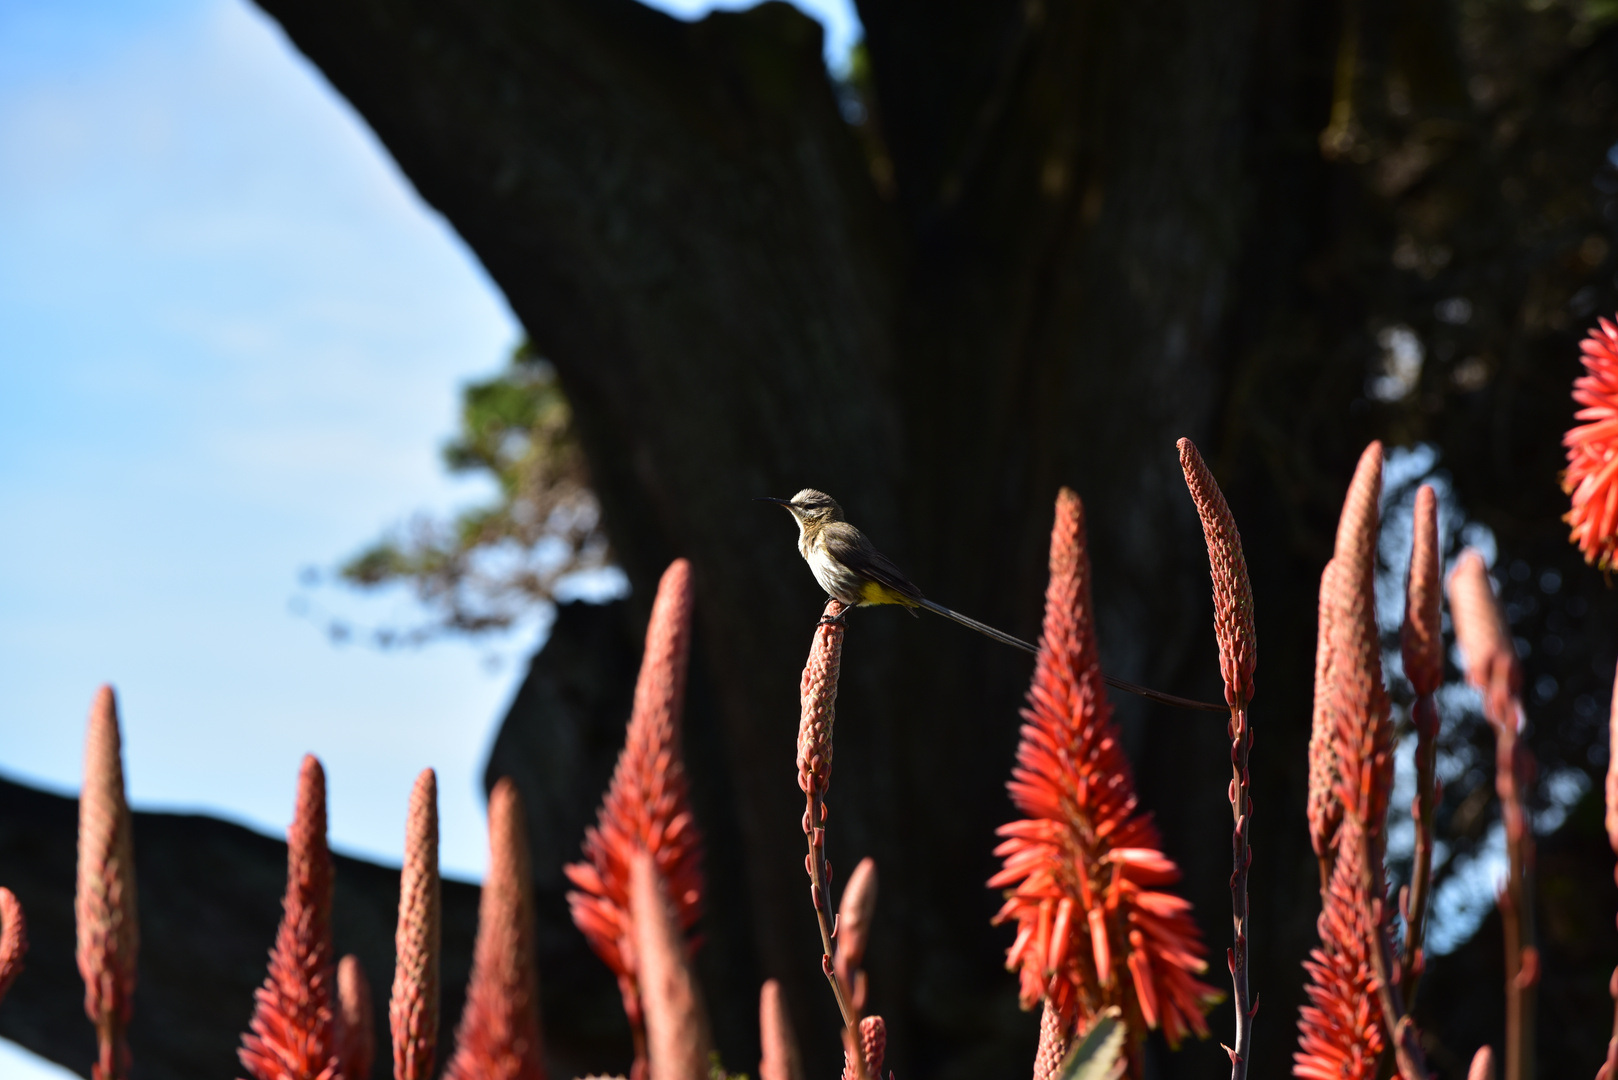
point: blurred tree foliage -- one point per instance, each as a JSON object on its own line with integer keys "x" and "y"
{"x": 492, "y": 564}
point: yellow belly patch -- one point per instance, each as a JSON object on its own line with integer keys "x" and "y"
{"x": 873, "y": 592}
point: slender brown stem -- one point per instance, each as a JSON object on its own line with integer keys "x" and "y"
{"x": 819, "y": 892}
{"x": 1516, "y": 901}
{"x": 1407, "y": 1052}
{"x": 1425, "y": 716}
{"x": 1241, "y": 810}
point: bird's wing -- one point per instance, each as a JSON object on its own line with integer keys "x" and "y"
{"x": 848, "y": 545}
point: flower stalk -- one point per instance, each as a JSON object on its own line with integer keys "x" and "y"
{"x": 1238, "y": 658}
{"x": 1351, "y": 776}
{"x": 499, "y": 1034}
{"x": 13, "y": 940}
{"x": 1491, "y": 666}
{"x": 646, "y": 808}
{"x": 1422, "y": 647}
{"x": 413, "y": 1007}
{"x": 104, "y": 899}
{"x": 294, "y": 1031}
{"x": 817, "y": 696}
{"x": 1085, "y": 877}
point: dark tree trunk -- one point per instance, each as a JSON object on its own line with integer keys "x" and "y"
{"x": 1065, "y": 235}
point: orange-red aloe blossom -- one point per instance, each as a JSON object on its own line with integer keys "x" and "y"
{"x": 104, "y": 899}
{"x": 1591, "y": 477}
{"x": 1356, "y": 1007}
{"x": 294, "y": 1031}
{"x": 13, "y": 940}
{"x": 499, "y": 1035}
{"x": 413, "y": 1006}
{"x": 1085, "y": 871}
{"x": 646, "y": 807}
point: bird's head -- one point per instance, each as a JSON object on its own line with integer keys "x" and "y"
{"x": 811, "y": 508}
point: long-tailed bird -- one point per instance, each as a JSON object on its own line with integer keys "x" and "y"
{"x": 850, "y": 568}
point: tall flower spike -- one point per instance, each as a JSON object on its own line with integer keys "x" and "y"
{"x": 780, "y": 1059}
{"x": 1357, "y": 696}
{"x": 1422, "y": 645}
{"x": 1491, "y": 665}
{"x": 854, "y": 914}
{"x": 1591, "y": 477}
{"x": 678, "y": 1045}
{"x": 358, "y": 1041}
{"x": 104, "y": 901}
{"x": 1232, "y": 594}
{"x": 413, "y": 1008}
{"x": 1482, "y": 1067}
{"x": 1350, "y": 701}
{"x": 1421, "y": 641}
{"x": 1325, "y": 806}
{"x": 499, "y": 1036}
{"x": 1238, "y": 657}
{"x": 1491, "y": 657}
{"x": 1085, "y": 871}
{"x": 1356, "y": 712}
{"x": 13, "y": 940}
{"x": 817, "y": 715}
{"x": 293, "y": 1032}
{"x": 646, "y": 807}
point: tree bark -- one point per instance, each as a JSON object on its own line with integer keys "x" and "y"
{"x": 1066, "y": 234}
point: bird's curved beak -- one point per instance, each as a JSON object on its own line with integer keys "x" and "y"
{"x": 773, "y": 499}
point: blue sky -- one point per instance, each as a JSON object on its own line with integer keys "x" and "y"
{"x": 231, "y": 338}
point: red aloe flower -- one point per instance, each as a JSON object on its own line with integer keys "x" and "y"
{"x": 1340, "y": 1032}
{"x": 1238, "y": 657}
{"x": 1086, "y": 867}
{"x": 1325, "y": 810}
{"x": 294, "y": 1032}
{"x": 413, "y": 1008}
{"x": 1357, "y": 700}
{"x": 357, "y": 1043}
{"x": 13, "y": 940}
{"x": 1591, "y": 477}
{"x": 1354, "y": 993}
{"x": 104, "y": 901}
{"x": 1422, "y": 644}
{"x": 646, "y": 807}
{"x": 499, "y": 1035}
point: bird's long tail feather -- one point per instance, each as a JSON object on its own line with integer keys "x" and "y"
{"x": 1018, "y": 643}
{"x": 982, "y": 628}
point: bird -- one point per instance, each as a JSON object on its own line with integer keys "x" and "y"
{"x": 852, "y": 571}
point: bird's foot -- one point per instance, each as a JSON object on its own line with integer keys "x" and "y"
{"x": 836, "y": 620}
